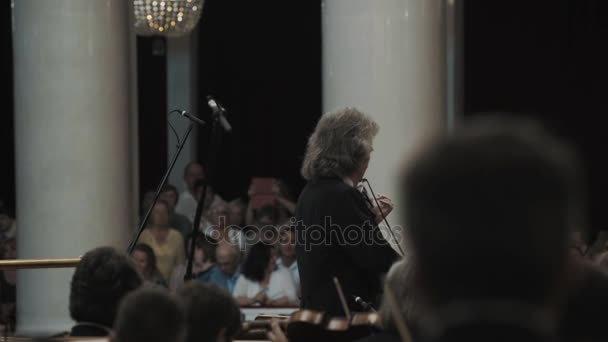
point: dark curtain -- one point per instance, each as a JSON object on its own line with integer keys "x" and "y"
{"x": 547, "y": 60}
{"x": 262, "y": 61}
{"x": 7, "y": 130}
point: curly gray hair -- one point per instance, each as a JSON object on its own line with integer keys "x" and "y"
{"x": 340, "y": 144}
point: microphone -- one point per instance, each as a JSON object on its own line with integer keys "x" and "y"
{"x": 219, "y": 111}
{"x": 191, "y": 117}
{"x": 367, "y": 306}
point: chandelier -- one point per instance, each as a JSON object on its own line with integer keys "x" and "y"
{"x": 166, "y": 17}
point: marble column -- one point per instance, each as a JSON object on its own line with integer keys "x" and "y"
{"x": 387, "y": 58}
{"x": 72, "y": 121}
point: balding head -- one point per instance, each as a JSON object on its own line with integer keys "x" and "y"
{"x": 227, "y": 257}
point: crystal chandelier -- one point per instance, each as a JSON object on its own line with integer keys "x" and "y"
{"x": 166, "y": 17}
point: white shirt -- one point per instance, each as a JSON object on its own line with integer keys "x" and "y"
{"x": 186, "y": 205}
{"x": 293, "y": 270}
{"x": 280, "y": 285}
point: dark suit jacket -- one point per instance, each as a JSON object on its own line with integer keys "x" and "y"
{"x": 337, "y": 236}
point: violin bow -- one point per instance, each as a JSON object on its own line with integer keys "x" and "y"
{"x": 388, "y": 226}
{"x": 342, "y": 298}
{"x": 402, "y": 328}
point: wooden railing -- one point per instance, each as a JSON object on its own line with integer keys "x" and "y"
{"x": 38, "y": 263}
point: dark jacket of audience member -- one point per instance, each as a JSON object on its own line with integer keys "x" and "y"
{"x": 149, "y": 315}
{"x": 101, "y": 279}
{"x": 489, "y": 208}
{"x": 212, "y": 314}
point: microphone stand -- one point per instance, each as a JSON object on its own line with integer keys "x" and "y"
{"x": 210, "y": 169}
{"x": 143, "y": 223}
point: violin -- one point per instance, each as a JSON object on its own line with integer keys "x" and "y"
{"x": 310, "y": 325}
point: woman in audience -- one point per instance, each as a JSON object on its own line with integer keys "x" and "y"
{"x": 287, "y": 253}
{"x": 166, "y": 242}
{"x": 261, "y": 282}
{"x": 202, "y": 266}
{"x": 145, "y": 261}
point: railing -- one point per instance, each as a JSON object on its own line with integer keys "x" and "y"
{"x": 38, "y": 263}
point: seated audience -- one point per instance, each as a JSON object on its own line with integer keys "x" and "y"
{"x": 101, "y": 280}
{"x": 211, "y": 313}
{"x": 149, "y": 315}
{"x": 489, "y": 208}
{"x": 227, "y": 261}
{"x": 287, "y": 254}
{"x": 176, "y": 220}
{"x": 203, "y": 264}
{"x": 261, "y": 282}
{"x": 166, "y": 242}
{"x": 145, "y": 261}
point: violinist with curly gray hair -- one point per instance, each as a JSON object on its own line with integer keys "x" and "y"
{"x": 337, "y": 232}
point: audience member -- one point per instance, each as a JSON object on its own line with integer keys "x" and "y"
{"x": 186, "y": 204}
{"x": 211, "y": 313}
{"x": 227, "y": 259}
{"x": 176, "y": 220}
{"x": 149, "y": 315}
{"x": 203, "y": 264}
{"x": 8, "y": 227}
{"x": 238, "y": 209}
{"x": 489, "y": 208}
{"x": 261, "y": 282}
{"x": 145, "y": 261}
{"x": 166, "y": 242}
{"x": 287, "y": 254}
{"x": 264, "y": 216}
{"x": 101, "y": 279}
{"x": 219, "y": 227}
{"x": 282, "y": 210}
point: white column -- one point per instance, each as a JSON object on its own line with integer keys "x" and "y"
{"x": 182, "y": 53}
{"x": 387, "y": 58}
{"x": 72, "y": 143}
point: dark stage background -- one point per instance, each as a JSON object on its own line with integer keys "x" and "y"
{"x": 262, "y": 60}
{"x": 547, "y": 60}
